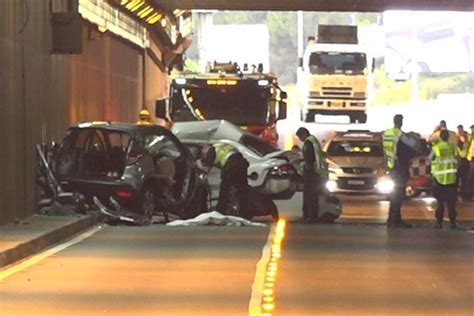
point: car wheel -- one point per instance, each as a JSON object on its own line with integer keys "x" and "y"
{"x": 327, "y": 218}
{"x": 411, "y": 192}
{"x": 148, "y": 202}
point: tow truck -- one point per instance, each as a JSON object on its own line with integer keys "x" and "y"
{"x": 250, "y": 99}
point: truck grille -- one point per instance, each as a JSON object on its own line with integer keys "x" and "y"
{"x": 337, "y": 91}
{"x": 357, "y": 170}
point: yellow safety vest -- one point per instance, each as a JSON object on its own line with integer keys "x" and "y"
{"x": 445, "y": 164}
{"x": 464, "y": 150}
{"x": 223, "y": 153}
{"x": 320, "y": 163}
{"x": 470, "y": 155}
{"x": 390, "y": 142}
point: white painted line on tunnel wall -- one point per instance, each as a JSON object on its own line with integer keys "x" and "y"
{"x": 262, "y": 300}
{"x": 31, "y": 261}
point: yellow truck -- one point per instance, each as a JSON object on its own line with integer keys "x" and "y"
{"x": 336, "y": 75}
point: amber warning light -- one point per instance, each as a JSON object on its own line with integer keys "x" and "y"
{"x": 221, "y": 82}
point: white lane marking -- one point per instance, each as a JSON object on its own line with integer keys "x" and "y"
{"x": 262, "y": 300}
{"x": 17, "y": 267}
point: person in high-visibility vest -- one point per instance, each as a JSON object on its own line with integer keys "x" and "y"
{"x": 470, "y": 158}
{"x": 444, "y": 167}
{"x": 233, "y": 175}
{"x": 315, "y": 171}
{"x": 397, "y": 165}
{"x": 453, "y": 138}
{"x": 144, "y": 118}
{"x": 463, "y": 165}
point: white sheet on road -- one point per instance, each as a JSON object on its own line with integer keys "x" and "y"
{"x": 215, "y": 218}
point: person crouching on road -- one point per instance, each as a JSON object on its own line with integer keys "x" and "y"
{"x": 398, "y": 168}
{"x": 314, "y": 171}
{"x": 444, "y": 168}
{"x": 233, "y": 175}
{"x": 144, "y": 118}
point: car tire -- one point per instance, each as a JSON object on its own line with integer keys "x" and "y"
{"x": 327, "y": 218}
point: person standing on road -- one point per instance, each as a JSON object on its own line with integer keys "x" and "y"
{"x": 398, "y": 168}
{"x": 463, "y": 165}
{"x": 314, "y": 170}
{"x": 452, "y": 138}
{"x": 470, "y": 158}
{"x": 233, "y": 175}
{"x": 444, "y": 167}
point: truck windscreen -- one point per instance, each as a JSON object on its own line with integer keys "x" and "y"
{"x": 335, "y": 62}
{"x": 244, "y": 103}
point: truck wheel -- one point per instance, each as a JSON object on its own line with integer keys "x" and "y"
{"x": 352, "y": 119}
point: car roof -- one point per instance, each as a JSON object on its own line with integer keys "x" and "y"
{"x": 120, "y": 126}
{"x": 207, "y": 130}
{"x": 359, "y": 135}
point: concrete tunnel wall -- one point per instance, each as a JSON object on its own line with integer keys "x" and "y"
{"x": 42, "y": 94}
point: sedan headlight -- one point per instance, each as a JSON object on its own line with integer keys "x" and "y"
{"x": 331, "y": 185}
{"x": 334, "y": 169}
{"x": 385, "y": 186}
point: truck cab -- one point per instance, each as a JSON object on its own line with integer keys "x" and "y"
{"x": 336, "y": 75}
{"x": 250, "y": 99}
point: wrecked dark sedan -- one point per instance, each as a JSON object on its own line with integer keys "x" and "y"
{"x": 139, "y": 168}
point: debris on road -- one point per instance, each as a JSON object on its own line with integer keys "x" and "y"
{"x": 215, "y": 218}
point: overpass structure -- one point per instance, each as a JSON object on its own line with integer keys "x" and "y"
{"x": 321, "y": 5}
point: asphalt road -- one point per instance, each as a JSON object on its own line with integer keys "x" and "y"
{"x": 354, "y": 267}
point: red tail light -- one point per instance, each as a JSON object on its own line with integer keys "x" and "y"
{"x": 283, "y": 170}
{"x": 124, "y": 194}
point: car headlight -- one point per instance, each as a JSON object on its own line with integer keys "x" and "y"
{"x": 385, "y": 186}
{"x": 331, "y": 185}
{"x": 334, "y": 169}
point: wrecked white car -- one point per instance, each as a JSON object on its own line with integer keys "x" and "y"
{"x": 269, "y": 172}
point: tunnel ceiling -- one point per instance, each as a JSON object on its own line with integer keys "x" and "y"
{"x": 320, "y": 5}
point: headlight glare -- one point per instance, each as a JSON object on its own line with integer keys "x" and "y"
{"x": 331, "y": 185}
{"x": 385, "y": 186}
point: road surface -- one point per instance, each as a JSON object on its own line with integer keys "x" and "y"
{"x": 353, "y": 267}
